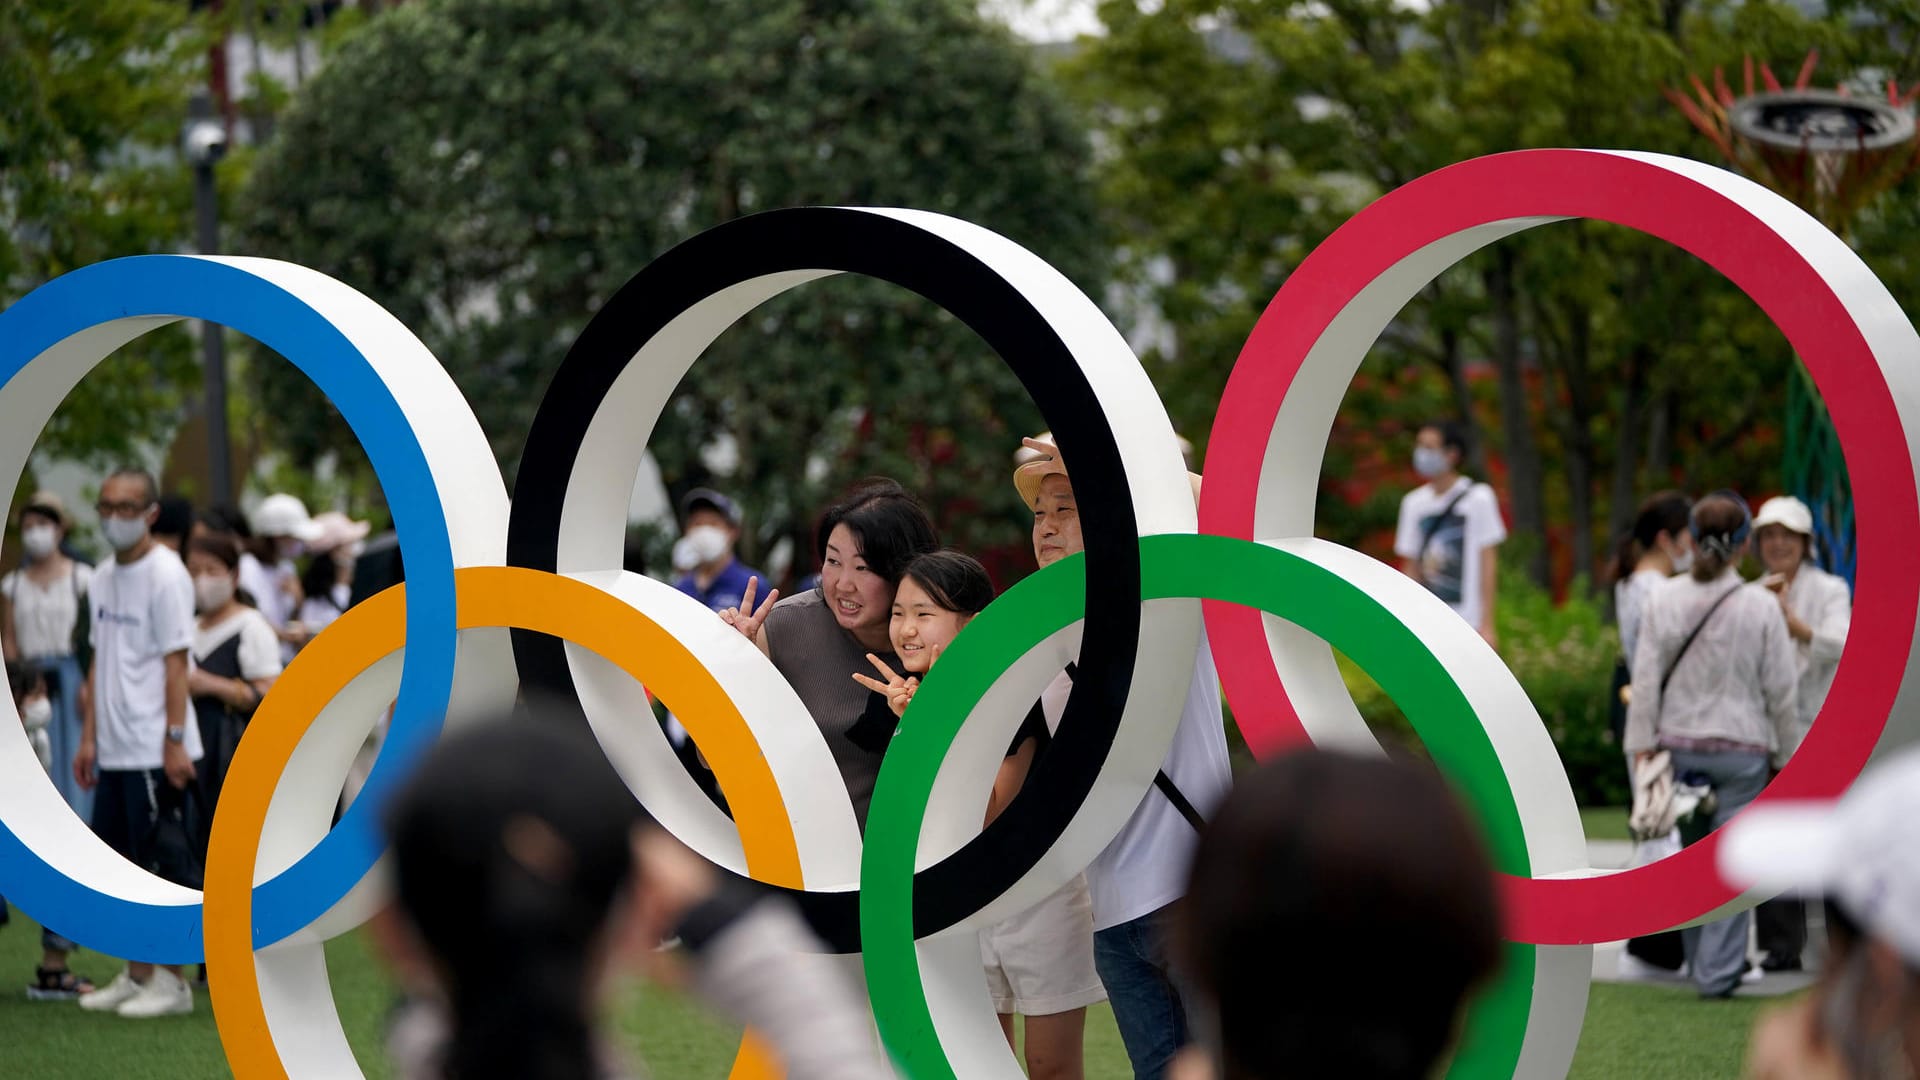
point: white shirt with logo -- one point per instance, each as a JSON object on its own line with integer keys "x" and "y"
{"x": 1145, "y": 867}
{"x": 142, "y": 611}
{"x": 1449, "y": 561}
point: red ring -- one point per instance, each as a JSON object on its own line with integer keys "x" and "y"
{"x": 1644, "y": 194}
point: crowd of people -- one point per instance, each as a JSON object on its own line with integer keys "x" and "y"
{"x": 137, "y": 676}
{"x": 520, "y": 899}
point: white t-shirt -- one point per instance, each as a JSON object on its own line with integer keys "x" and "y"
{"x": 268, "y": 585}
{"x": 44, "y": 615}
{"x": 1145, "y": 867}
{"x": 259, "y": 645}
{"x": 1450, "y": 563}
{"x": 142, "y": 611}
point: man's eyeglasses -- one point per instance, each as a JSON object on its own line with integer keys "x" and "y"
{"x": 121, "y": 509}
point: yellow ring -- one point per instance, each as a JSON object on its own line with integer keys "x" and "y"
{"x": 488, "y": 596}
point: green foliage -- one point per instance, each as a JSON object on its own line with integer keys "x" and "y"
{"x": 92, "y": 99}
{"x": 1600, "y": 364}
{"x": 492, "y": 170}
{"x": 1563, "y": 655}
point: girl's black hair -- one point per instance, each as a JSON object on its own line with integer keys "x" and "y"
{"x": 316, "y": 581}
{"x": 511, "y": 843}
{"x": 956, "y": 581}
{"x": 1663, "y": 512}
{"x": 888, "y": 523}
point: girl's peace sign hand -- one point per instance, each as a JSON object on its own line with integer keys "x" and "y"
{"x": 898, "y": 689}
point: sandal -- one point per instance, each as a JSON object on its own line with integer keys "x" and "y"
{"x": 61, "y": 984}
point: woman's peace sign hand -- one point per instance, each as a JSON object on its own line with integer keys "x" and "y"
{"x": 747, "y": 618}
{"x": 898, "y": 689}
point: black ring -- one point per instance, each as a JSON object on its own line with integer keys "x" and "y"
{"x": 877, "y": 245}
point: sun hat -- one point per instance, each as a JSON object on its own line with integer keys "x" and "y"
{"x": 1860, "y": 851}
{"x": 1787, "y": 511}
{"x": 1038, "y": 459}
{"x": 334, "y": 529}
{"x": 284, "y": 515}
{"x": 47, "y": 504}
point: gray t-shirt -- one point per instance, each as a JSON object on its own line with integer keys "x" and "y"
{"x": 818, "y": 658}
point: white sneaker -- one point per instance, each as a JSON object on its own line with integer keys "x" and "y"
{"x": 111, "y": 996}
{"x": 1752, "y": 975}
{"x": 166, "y": 994}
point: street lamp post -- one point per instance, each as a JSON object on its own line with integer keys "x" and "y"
{"x": 204, "y": 141}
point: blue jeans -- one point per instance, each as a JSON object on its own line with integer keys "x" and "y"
{"x": 1132, "y": 961}
{"x": 1717, "y": 950}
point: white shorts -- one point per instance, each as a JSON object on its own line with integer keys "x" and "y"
{"x": 1040, "y": 962}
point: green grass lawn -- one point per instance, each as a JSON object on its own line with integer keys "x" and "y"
{"x": 1631, "y": 1031}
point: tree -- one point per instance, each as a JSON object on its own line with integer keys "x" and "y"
{"x": 92, "y": 97}
{"x": 1604, "y": 363}
{"x": 491, "y": 170}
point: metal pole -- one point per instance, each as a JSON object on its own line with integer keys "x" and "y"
{"x": 213, "y": 347}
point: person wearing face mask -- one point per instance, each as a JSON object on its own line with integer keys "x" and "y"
{"x": 40, "y": 605}
{"x": 236, "y": 657}
{"x": 53, "y": 980}
{"x": 1450, "y": 528}
{"x": 820, "y": 637}
{"x": 283, "y": 527}
{"x": 1817, "y": 608}
{"x": 1862, "y": 854}
{"x": 1656, "y": 547}
{"x": 703, "y": 556}
{"x": 138, "y": 746}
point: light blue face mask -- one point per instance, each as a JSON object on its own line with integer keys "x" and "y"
{"x": 124, "y": 533}
{"x": 1429, "y": 461}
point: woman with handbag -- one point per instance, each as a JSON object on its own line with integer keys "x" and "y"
{"x": 40, "y": 605}
{"x": 1714, "y": 686}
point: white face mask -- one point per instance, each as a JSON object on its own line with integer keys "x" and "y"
{"x": 124, "y": 534}
{"x": 708, "y": 542}
{"x": 37, "y": 713}
{"x": 1429, "y": 461}
{"x": 39, "y": 540}
{"x": 1682, "y": 560}
{"x": 211, "y": 593}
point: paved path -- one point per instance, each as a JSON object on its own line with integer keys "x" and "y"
{"x": 1607, "y": 967}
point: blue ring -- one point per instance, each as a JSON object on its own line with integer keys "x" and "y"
{"x": 189, "y": 287}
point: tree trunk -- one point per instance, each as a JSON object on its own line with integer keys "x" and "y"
{"x": 1579, "y": 443}
{"x": 1626, "y": 495}
{"x": 1526, "y": 491}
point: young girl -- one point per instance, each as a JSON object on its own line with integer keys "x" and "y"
{"x": 1039, "y": 963}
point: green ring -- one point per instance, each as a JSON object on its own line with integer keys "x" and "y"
{"x": 1176, "y": 566}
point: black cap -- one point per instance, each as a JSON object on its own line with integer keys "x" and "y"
{"x": 708, "y": 497}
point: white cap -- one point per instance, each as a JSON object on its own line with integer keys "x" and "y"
{"x": 284, "y": 515}
{"x": 1860, "y": 851}
{"x": 1785, "y": 510}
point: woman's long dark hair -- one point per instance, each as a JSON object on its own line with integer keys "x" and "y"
{"x": 955, "y": 581}
{"x": 1663, "y": 512}
{"x": 511, "y": 844}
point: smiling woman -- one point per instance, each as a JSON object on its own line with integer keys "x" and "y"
{"x": 820, "y": 638}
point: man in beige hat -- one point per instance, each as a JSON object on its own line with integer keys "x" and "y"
{"x": 1135, "y": 881}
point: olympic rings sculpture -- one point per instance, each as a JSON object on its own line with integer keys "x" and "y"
{"x": 489, "y": 581}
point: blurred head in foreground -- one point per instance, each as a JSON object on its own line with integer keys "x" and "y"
{"x": 1347, "y": 867}
{"x": 1862, "y": 854}
{"x": 514, "y": 859}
